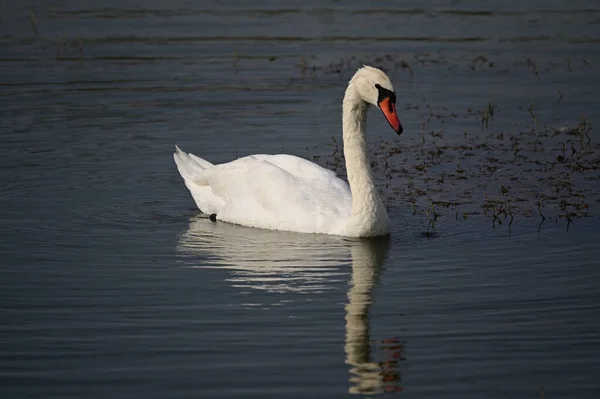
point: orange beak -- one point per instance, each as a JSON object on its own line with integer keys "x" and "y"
{"x": 388, "y": 108}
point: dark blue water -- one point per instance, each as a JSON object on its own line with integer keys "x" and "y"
{"x": 112, "y": 285}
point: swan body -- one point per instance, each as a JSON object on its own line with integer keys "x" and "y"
{"x": 285, "y": 192}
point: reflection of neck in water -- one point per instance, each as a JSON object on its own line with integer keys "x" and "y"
{"x": 282, "y": 262}
{"x": 367, "y": 376}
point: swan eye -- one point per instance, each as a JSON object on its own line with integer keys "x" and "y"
{"x": 385, "y": 93}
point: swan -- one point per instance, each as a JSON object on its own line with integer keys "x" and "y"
{"x": 285, "y": 192}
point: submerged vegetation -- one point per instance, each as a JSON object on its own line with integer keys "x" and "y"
{"x": 554, "y": 171}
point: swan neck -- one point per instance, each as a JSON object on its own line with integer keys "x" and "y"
{"x": 365, "y": 201}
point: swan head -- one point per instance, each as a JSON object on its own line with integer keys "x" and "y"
{"x": 376, "y": 88}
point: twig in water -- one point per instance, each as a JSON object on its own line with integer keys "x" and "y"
{"x": 432, "y": 216}
{"x": 487, "y": 113}
{"x": 539, "y": 208}
{"x": 583, "y": 130}
{"x": 530, "y": 109}
{"x": 561, "y": 96}
{"x": 335, "y": 147}
{"x": 478, "y": 60}
{"x": 303, "y": 65}
{"x": 33, "y": 24}
{"x": 531, "y": 64}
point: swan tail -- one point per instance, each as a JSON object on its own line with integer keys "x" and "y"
{"x": 190, "y": 167}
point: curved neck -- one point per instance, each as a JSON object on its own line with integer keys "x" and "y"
{"x": 365, "y": 201}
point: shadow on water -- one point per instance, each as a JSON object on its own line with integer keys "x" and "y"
{"x": 285, "y": 262}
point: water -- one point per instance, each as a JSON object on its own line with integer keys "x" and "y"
{"x": 113, "y": 285}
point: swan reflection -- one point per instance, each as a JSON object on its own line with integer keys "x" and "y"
{"x": 367, "y": 374}
{"x": 277, "y": 261}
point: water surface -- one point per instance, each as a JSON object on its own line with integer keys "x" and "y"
{"x": 113, "y": 285}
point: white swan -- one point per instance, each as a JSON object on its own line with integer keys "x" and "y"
{"x": 285, "y": 192}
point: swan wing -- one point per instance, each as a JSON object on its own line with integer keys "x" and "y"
{"x": 280, "y": 192}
